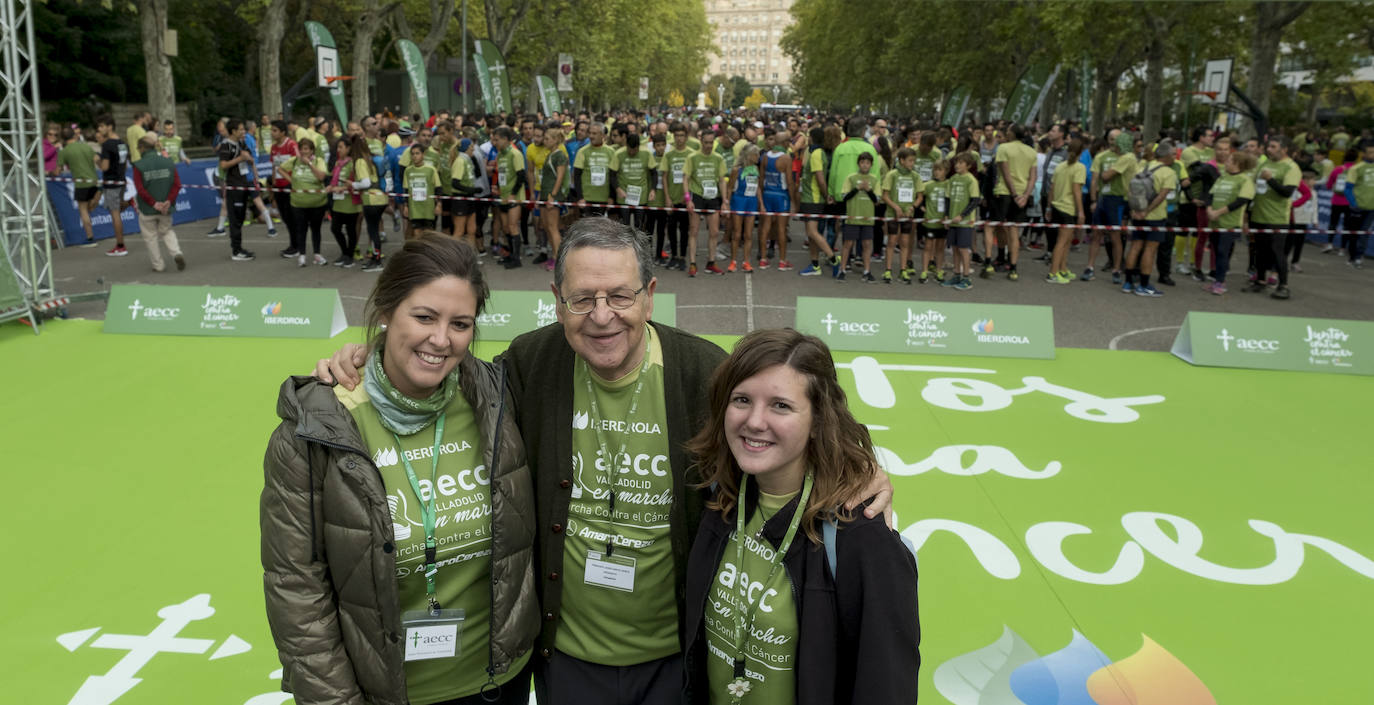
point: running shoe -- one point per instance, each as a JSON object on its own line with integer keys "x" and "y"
{"x": 835, "y": 260}
{"x": 1148, "y": 291}
{"x": 288, "y": 253}
{"x": 1280, "y": 293}
{"x": 940, "y": 276}
{"x": 988, "y": 271}
{"x": 242, "y": 256}
{"x": 1327, "y": 248}
{"x": 117, "y": 251}
{"x": 300, "y": 260}
{"x": 749, "y": 269}
{"x": 1052, "y": 278}
{"x": 1255, "y": 288}
{"x": 868, "y": 278}
{"x": 887, "y": 277}
{"x": 344, "y": 261}
{"x": 732, "y": 266}
{"x": 1216, "y": 288}
{"x": 810, "y": 270}
{"x": 1116, "y": 276}
{"x": 1087, "y": 274}
{"x": 271, "y": 232}
{"x": 692, "y": 271}
{"x": 712, "y": 268}
{"x": 1128, "y": 288}
{"x": 374, "y": 264}
{"x": 784, "y": 265}
{"x": 1198, "y": 275}
{"x": 1012, "y": 275}
{"x": 1272, "y": 280}
{"x": 320, "y": 260}
{"x": 180, "y": 260}
{"x": 1297, "y": 267}
{"x": 923, "y": 277}
{"x": 1068, "y": 276}
{"x": 1183, "y": 268}
{"x": 763, "y": 263}
{"x": 1358, "y": 263}
{"x": 951, "y": 280}
{"x": 840, "y": 277}
{"x": 217, "y": 232}
{"x": 964, "y": 284}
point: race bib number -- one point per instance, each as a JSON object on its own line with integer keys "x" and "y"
{"x": 925, "y": 173}
{"x": 678, "y": 172}
{"x": 419, "y": 191}
{"x": 281, "y": 159}
{"x": 1295, "y": 196}
{"x": 633, "y": 194}
{"x": 502, "y": 178}
{"x": 1106, "y": 189}
{"x": 940, "y": 205}
{"x": 906, "y": 193}
{"x": 1261, "y": 187}
{"x": 123, "y": 153}
{"x": 709, "y": 189}
{"x": 987, "y": 159}
{"x": 660, "y": 180}
{"x": 614, "y": 572}
{"x": 598, "y": 174}
{"x": 1339, "y": 186}
{"x": 338, "y": 196}
{"x": 751, "y": 187}
{"x": 245, "y": 170}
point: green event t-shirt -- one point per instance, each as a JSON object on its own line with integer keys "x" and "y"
{"x": 438, "y": 157}
{"x": 937, "y": 202}
{"x": 1126, "y": 167}
{"x": 1103, "y": 163}
{"x": 1067, "y": 178}
{"x": 79, "y": 158}
{"x": 962, "y": 189}
{"x": 659, "y": 188}
{"x": 706, "y": 175}
{"x": 808, "y": 190}
{"x": 1225, "y": 191}
{"x": 170, "y": 146}
{"x": 462, "y": 170}
{"x": 632, "y": 174}
{"x": 902, "y": 186}
{"x": 859, "y": 209}
{"x": 549, "y": 178}
{"x": 595, "y": 164}
{"x": 365, "y": 169}
{"x": 1269, "y": 207}
{"x": 1362, "y": 176}
{"x": 343, "y": 202}
{"x": 728, "y": 155}
{"x": 1165, "y": 181}
{"x": 925, "y": 163}
{"x": 307, "y": 191}
{"x": 770, "y": 656}
{"x": 1020, "y": 159}
{"x": 376, "y": 147}
{"x": 673, "y": 166}
{"x": 462, "y": 503}
{"x": 605, "y": 625}
{"x": 509, "y": 162}
{"x": 421, "y": 183}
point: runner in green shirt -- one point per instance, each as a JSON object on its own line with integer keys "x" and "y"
{"x": 860, "y": 195}
{"x": 553, "y": 189}
{"x": 421, "y": 181}
{"x": 935, "y": 195}
{"x": 964, "y": 197}
{"x": 79, "y": 159}
{"x": 1230, "y": 195}
{"x": 510, "y": 188}
{"x": 1067, "y": 209}
{"x": 1276, "y": 185}
{"x": 903, "y": 193}
{"x": 1111, "y": 171}
{"x": 170, "y": 144}
{"x": 706, "y": 175}
{"x": 672, "y": 168}
{"x": 593, "y": 177}
{"x": 634, "y": 174}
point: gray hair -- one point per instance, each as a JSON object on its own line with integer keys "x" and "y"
{"x": 603, "y": 234}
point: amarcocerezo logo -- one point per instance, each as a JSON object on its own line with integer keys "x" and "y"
{"x": 1010, "y": 672}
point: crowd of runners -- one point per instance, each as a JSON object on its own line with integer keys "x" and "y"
{"x": 717, "y": 192}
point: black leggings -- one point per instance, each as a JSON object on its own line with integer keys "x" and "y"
{"x": 373, "y": 216}
{"x": 677, "y": 232}
{"x": 345, "y": 229}
{"x": 1268, "y": 252}
{"x": 302, "y": 218}
{"x": 1292, "y": 244}
{"x": 656, "y": 226}
{"x": 288, "y": 216}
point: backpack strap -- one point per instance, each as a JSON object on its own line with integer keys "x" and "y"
{"x": 828, "y": 536}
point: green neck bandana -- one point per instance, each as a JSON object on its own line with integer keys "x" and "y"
{"x": 399, "y": 413}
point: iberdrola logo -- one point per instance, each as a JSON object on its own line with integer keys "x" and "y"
{"x": 982, "y": 326}
{"x": 385, "y": 457}
{"x": 1009, "y": 672}
{"x": 272, "y": 308}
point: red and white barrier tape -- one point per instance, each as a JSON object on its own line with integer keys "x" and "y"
{"x": 725, "y": 210}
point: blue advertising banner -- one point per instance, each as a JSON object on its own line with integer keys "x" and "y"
{"x": 199, "y": 199}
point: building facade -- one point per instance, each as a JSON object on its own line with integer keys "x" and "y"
{"x": 747, "y": 33}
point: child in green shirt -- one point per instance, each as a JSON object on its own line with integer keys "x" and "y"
{"x": 421, "y": 181}
{"x": 859, "y": 195}
{"x": 964, "y": 197}
{"x": 936, "y": 197}
{"x": 902, "y": 192}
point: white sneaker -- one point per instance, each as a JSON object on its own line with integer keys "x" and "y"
{"x": 1327, "y": 248}
{"x": 300, "y": 260}
{"x": 320, "y": 260}
{"x": 1183, "y": 268}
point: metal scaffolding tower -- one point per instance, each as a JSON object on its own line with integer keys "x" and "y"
{"x": 23, "y": 191}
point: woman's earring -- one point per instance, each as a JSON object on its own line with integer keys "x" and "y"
{"x": 382, "y": 327}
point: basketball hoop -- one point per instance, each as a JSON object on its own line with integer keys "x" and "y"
{"x": 1211, "y": 95}
{"x": 331, "y": 79}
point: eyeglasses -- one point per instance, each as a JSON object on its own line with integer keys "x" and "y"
{"x": 617, "y": 300}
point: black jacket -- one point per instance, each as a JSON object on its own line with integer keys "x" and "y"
{"x": 859, "y": 633}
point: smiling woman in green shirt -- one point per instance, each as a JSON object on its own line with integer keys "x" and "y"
{"x": 790, "y": 599}
{"x": 425, "y": 596}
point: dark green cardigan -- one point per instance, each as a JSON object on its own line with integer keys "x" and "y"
{"x": 540, "y": 372}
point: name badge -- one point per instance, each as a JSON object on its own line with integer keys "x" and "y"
{"x": 709, "y": 189}
{"x": 431, "y": 635}
{"x": 632, "y": 195}
{"x": 614, "y": 572}
{"x": 338, "y": 196}
{"x": 598, "y": 175}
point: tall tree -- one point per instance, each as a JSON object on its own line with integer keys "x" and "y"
{"x": 368, "y": 21}
{"x": 504, "y": 21}
{"x": 162, "y": 94}
{"x": 1266, "y": 32}
{"x": 271, "y": 28}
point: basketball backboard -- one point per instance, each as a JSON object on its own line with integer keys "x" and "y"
{"x": 326, "y": 65}
{"x": 1217, "y": 79}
